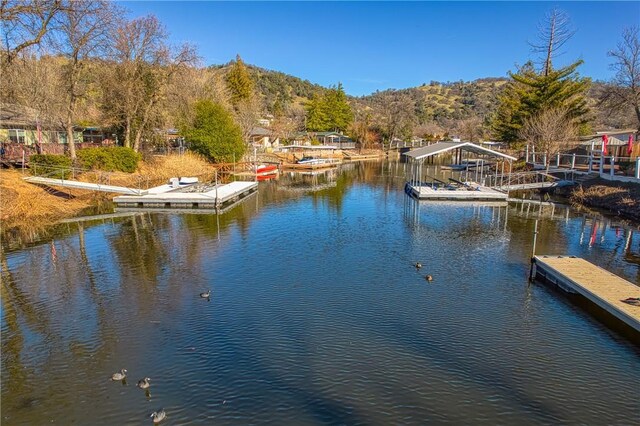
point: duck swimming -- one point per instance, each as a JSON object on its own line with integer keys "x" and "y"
{"x": 418, "y": 265}
{"x": 119, "y": 376}
{"x": 158, "y": 416}
{"x": 428, "y": 278}
{"x": 144, "y": 383}
{"x": 206, "y": 294}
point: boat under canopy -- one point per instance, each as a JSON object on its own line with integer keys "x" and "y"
{"x": 460, "y": 190}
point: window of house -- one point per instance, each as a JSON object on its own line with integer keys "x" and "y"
{"x": 17, "y": 135}
{"x": 62, "y": 137}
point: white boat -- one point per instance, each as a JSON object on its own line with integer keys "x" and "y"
{"x": 311, "y": 160}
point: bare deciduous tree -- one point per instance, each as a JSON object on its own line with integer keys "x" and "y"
{"x": 470, "y": 129}
{"x": 145, "y": 67}
{"x": 84, "y": 34}
{"x": 550, "y": 131}
{"x": 247, "y": 114}
{"x": 553, "y": 32}
{"x": 25, "y": 23}
{"x": 624, "y": 90}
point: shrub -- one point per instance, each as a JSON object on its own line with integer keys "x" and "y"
{"x": 109, "y": 159}
{"x": 213, "y": 133}
{"x": 51, "y": 165}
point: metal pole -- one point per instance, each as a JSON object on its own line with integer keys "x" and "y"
{"x": 533, "y": 250}
{"x": 573, "y": 161}
{"x": 638, "y": 167}
{"x": 613, "y": 163}
{"x": 601, "y": 168}
{"x": 216, "y": 203}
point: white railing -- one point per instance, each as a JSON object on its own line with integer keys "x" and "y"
{"x": 592, "y": 163}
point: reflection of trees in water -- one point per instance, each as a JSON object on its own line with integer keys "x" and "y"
{"x": 141, "y": 244}
{"x": 17, "y": 308}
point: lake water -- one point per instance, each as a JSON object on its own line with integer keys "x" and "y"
{"x": 317, "y": 315}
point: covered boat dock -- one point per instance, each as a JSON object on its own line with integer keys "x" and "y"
{"x": 486, "y": 164}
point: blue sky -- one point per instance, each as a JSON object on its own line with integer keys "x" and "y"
{"x": 372, "y": 46}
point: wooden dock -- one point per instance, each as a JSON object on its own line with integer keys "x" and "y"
{"x": 601, "y": 287}
{"x": 296, "y": 166}
{"x": 219, "y": 197}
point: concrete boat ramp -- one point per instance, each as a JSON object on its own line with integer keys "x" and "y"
{"x": 168, "y": 197}
{"x": 602, "y": 288}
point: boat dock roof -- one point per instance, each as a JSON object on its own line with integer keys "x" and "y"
{"x": 442, "y": 147}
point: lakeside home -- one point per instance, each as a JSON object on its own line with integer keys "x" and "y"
{"x": 325, "y": 138}
{"x": 24, "y": 132}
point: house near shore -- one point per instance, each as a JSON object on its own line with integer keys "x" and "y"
{"x": 23, "y": 125}
{"x": 336, "y": 139}
{"x": 24, "y": 131}
{"x": 263, "y": 137}
{"x": 615, "y": 146}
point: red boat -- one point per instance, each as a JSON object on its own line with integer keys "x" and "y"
{"x": 266, "y": 169}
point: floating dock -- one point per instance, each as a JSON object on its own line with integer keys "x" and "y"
{"x": 480, "y": 193}
{"x": 601, "y": 287}
{"x": 310, "y": 166}
{"x": 165, "y": 197}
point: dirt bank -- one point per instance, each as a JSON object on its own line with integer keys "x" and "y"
{"x": 620, "y": 198}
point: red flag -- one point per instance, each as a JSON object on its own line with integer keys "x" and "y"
{"x": 605, "y": 141}
{"x": 630, "y": 146}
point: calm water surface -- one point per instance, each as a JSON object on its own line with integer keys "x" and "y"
{"x": 317, "y": 315}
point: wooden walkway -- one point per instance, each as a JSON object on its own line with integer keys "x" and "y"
{"x": 576, "y": 275}
{"x": 66, "y": 183}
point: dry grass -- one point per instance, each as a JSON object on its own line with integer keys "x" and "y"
{"x": 160, "y": 169}
{"x": 24, "y": 204}
{"x": 620, "y": 198}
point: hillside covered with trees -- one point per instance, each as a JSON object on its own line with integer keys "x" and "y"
{"x": 84, "y": 64}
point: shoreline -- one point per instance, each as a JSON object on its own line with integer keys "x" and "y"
{"x": 618, "y": 198}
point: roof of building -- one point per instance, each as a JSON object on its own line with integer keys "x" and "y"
{"x": 442, "y": 147}
{"x": 260, "y": 131}
{"x": 613, "y": 141}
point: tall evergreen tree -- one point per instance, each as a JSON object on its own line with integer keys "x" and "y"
{"x": 331, "y": 111}
{"x": 317, "y": 118}
{"x": 530, "y": 92}
{"x": 239, "y": 82}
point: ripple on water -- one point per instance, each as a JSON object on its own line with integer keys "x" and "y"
{"x": 317, "y": 317}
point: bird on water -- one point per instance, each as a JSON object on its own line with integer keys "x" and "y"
{"x": 206, "y": 294}
{"x": 144, "y": 383}
{"x": 418, "y": 265}
{"x": 158, "y": 416}
{"x": 428, "y": 278}
{"x": 121, "y": 375}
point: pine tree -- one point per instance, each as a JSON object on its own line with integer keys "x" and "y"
{"x": 529, "y": 93}
{"x": 338, "y": 109}
{"x": 331, "y": 111}
{"x": 239, "y": 82}
{"x": 317, "y": 118}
